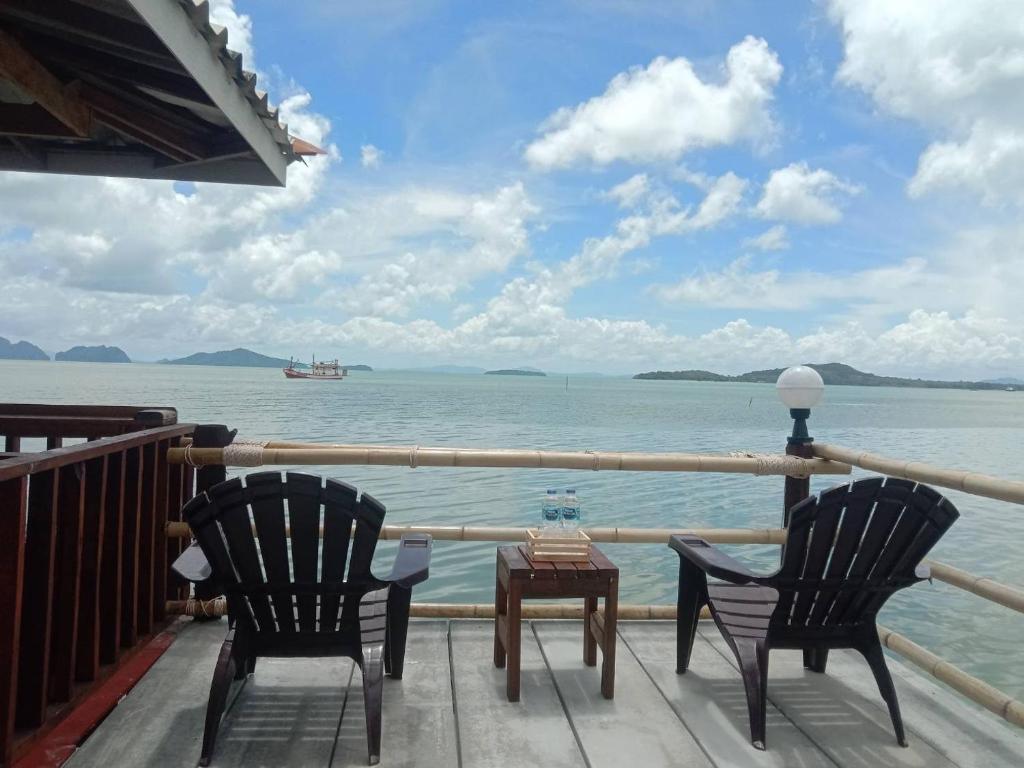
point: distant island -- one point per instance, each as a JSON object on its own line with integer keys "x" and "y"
{"x": 21, "y": 350}
{"x": 97, "y": 354}
{"x": 831, "y": 373}
{"x": 242, "y": 358}
{"x": 514, "y": 372}
{"x": 245, "y": 358}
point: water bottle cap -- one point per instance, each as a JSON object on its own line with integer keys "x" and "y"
{"x": 552, "y": 490}
{"x": 570, "y": 490}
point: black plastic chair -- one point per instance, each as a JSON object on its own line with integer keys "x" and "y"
{"x": 846, "y": 552}
{"x": 276, "y": 547}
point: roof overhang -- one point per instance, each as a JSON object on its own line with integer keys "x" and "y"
{"x": 138, "y": 88}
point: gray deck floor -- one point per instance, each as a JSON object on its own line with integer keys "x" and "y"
{"x": 450, "y": 710}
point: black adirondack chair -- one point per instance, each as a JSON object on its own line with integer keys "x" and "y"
{"x": 285, "y": 583}
{"x": 846, "y": 552}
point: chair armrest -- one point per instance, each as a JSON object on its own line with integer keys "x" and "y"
{"x": 192, "y": 565}
{"x": 712, "y": 561}
{"x": 412, "y": 565}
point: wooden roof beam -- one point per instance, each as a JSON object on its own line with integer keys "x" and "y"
{"x": 24, "y": 70}
{"x": 143, "y": 127}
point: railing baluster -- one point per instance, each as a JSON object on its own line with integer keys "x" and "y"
{"x": 174, "y": 545}
{"x": 159, "y": 593}
{"x": 12, "y": 444}
{"x": 146, "y": 539}
{"x": 13, "y": 506}
{"x": 130, "y": 548}
{"x": 110, "y": 562}
{"x": 64, "y": 636}
{"x": 87, "y": 660}
{"x": 37, "y": 598}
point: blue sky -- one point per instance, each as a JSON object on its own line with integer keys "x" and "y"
{"x": 578, "y": 185}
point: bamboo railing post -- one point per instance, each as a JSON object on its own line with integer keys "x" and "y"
{"x": 210, "y": 436}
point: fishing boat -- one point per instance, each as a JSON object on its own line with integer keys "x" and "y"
{"x": 329, "y": 371}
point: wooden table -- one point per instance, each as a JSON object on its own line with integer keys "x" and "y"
{"x": 519, "y": 577}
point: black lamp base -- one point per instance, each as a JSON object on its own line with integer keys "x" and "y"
{"x": 800, "y": 435}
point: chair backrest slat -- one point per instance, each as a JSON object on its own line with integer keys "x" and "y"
{"x": 850, "y": 548}
{"x": 232, "y": 500}
{"x": 266, "y": 495}
{"x": 368, "y": 524}
{"x": 339, "y": 513}
{"x": 304, "y": 492}
{"x": 822, "y": 537}
{"x": 859, "y": 501}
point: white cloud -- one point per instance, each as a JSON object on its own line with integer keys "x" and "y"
{"x": 954, "y": 67}
{"x": 798, "y": 194}
{"x": 658, "y": 113}
{"x": 630, "y": 192}
{"x": 772, "y": 239}
{"x": 370, "y": 156}
{"x": 989, "y": 162}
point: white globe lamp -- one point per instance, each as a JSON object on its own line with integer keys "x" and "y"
{"x": 800, "y": 388}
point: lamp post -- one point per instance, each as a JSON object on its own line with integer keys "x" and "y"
{"x": 800, "y": 388}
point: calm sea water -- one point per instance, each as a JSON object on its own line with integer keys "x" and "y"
{"x": 972, "y": 430}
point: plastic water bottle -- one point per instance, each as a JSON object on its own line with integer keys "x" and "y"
{"x": 571, "y": 511}
{"x": 550, "y": 509}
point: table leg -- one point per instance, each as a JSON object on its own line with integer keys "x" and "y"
{"x": 589, "y": 641}
{"x": 611, "y": 615}
{"x": 515, "y": 605}
{"x": 500, "y": 609}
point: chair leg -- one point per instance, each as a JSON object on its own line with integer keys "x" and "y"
{"x": 373, "y": 695}
{"x": 223, "y": 674}
{"x": 815, "y": 659}
{"x": 752, "y": 656}
{"x": 692, "y": 597}
{"x": 397, "y": 631}
{"x": 872, "y": 650}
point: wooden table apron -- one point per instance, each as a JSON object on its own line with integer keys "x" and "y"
{"x": 518, "y": 578}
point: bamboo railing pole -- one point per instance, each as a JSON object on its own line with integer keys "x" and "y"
{"x": 974, "y": 483}
{"x": 974, "y": 689}
{"x": 982, "y": 586}
{"x": 601, "y": 535}
{"x": 526, "y": 459}
{"x": 627, "y": 612}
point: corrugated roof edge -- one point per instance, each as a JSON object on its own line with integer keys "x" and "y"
{"x": 198, "y": 12}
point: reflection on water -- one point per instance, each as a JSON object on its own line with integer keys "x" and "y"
{"x": 977, "y": 430}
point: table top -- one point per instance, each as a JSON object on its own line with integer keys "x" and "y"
{"x": 520, "y": 566}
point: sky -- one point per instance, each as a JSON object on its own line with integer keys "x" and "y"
{"x": 597, "y": 185}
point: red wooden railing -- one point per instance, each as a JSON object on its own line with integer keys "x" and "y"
{"x": 83, "y": 553}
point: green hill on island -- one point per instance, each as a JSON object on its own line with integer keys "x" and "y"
{"x": 515, "y": 372}
{"x": 21, "y": 350}
{"x": 837, "y": 374}
{"x": 239, "y": 357}
{"x": 97, "y": 354}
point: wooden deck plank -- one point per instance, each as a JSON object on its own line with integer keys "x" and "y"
{"x": 494, "y": 732}
{"x": 418, "y": 715}
{"x": 655, "y": 738}
{"x": 709, "y": 698}
{"x": 966, "y": 734}
{"x": 287, "y": 714}
{"x": 160, "y": 721}
{"x": 851, "y": 726}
